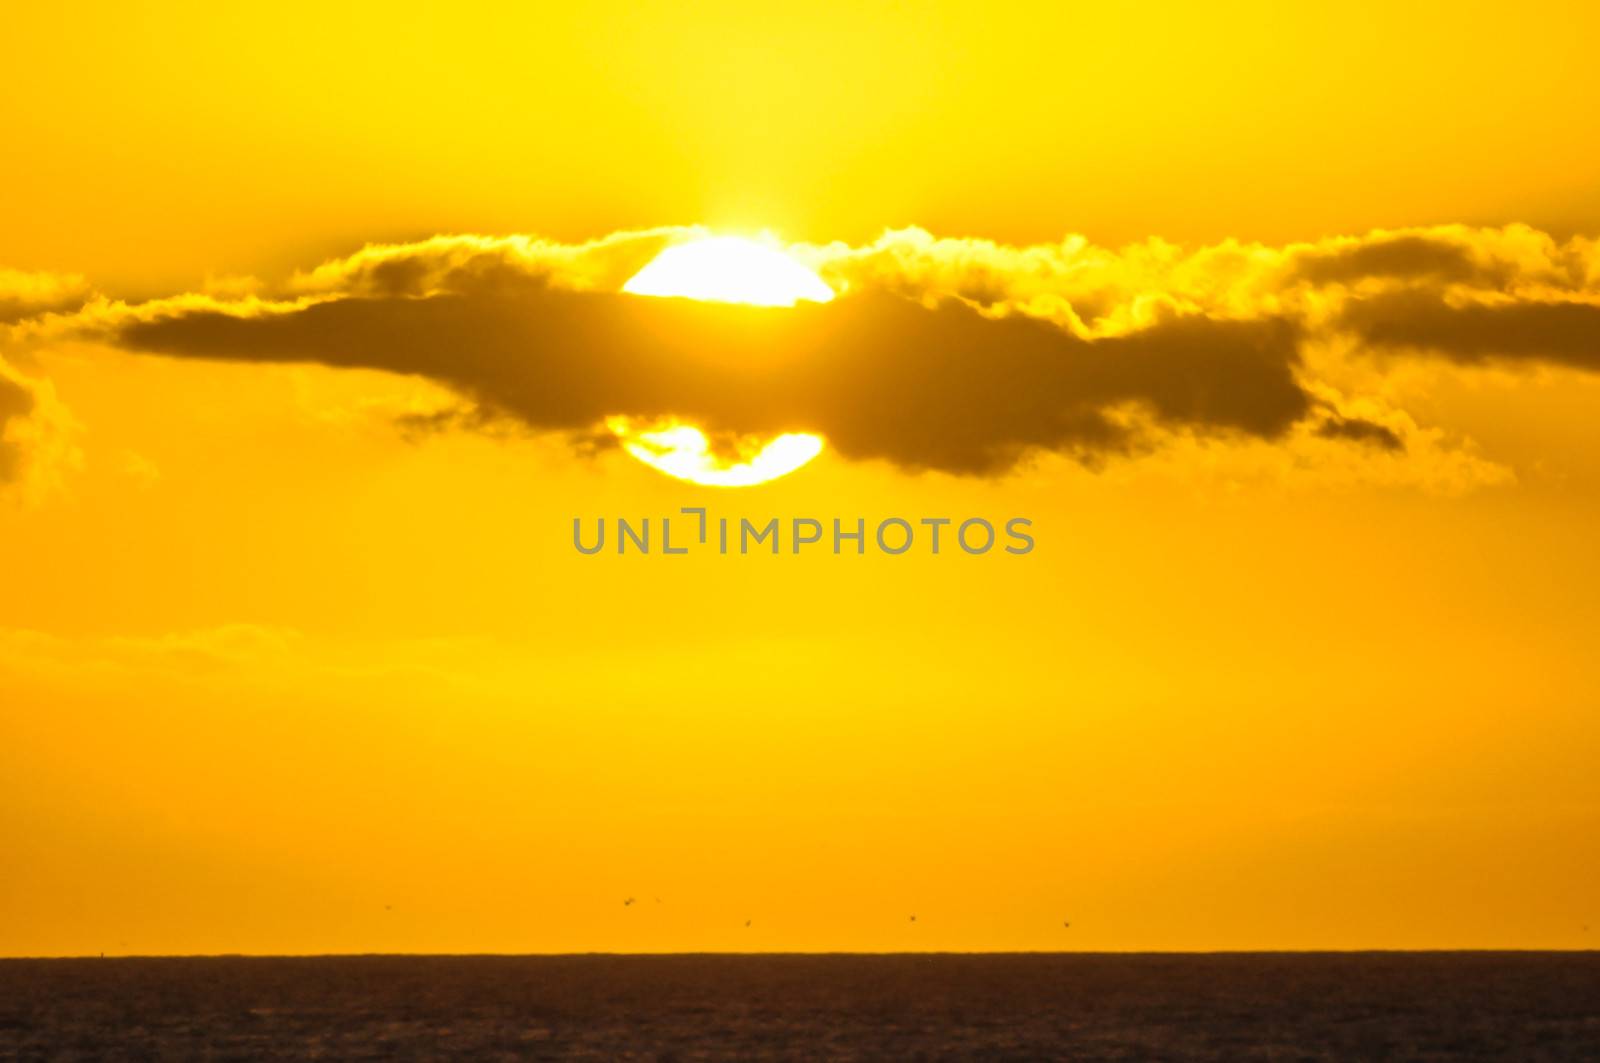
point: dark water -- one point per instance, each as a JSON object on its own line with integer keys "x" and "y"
{"x": 1503, "y": 1006}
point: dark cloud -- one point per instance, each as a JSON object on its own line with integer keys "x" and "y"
{"x": 460, "y": 417}
{"x": 1409, "y": 256}
{"x": 1359, "y": 430}
{"x": 1561, "y": 333}
{"x": 955, "y": 354}
{"x": 16, "y": 402}
{"x": 879, "y": 375}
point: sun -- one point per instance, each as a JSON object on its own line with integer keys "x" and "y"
{"x": 730, "y": 269}
{"x": 722, "y": 269}
{"x": 684, "y": 452}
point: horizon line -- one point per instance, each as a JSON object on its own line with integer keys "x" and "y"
{"x": 842, "y": 953}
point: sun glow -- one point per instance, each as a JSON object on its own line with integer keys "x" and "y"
{"x": 730, "y": 269}
{"x": 684, "y": 452}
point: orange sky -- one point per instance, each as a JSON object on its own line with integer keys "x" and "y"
{"x": 279, "y": 675}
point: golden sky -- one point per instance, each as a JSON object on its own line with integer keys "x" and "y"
{"x": 1281, "y": 325}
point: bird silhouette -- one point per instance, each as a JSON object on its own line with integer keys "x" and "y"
{"x": 747, "y": 922}
{"x": 913, "y": 919}
{"x": 1065, "y": 923}
{"x": 628, "y": 903}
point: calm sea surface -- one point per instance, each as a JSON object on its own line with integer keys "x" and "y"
{"x": 1424, "y": 1006}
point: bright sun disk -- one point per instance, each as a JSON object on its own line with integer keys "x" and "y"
{"x": 682, "y": 451}
{"x": 730, "y": 269}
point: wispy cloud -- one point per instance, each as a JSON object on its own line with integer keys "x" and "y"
{"x": 37, "y": 435}
{"x": 28, "y": 294}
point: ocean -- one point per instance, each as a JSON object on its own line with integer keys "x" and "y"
{"x": 1521, "y": 1006}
